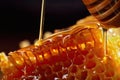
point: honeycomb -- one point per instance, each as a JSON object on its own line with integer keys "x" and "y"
{"x": 75, "y": 54}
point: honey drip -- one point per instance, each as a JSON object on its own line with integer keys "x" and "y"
{"x": 105, "y": 40}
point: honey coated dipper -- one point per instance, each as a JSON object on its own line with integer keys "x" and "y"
{"x": 106, "y": 11}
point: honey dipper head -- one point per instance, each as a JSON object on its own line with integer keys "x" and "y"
{"x": 106, "y": 11}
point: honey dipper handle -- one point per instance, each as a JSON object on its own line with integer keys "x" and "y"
{"x": 106, "y": 11}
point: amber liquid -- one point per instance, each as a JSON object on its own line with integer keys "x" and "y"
{"x": 105, "y": 40}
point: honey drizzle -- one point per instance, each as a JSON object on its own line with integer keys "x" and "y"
{"x": 42, "y": 17}
{"x": 104, "y": 37}
{"x": 105, "y": 40}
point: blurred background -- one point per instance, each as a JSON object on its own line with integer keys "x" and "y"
{"x": 20, "y": 19}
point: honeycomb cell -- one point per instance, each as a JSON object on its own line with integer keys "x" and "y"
{"x": 90, "y": 55}
{"x": 48, "y": 71}
{"x": 67, "y": 63}
{"x": 17, "y": 60}
{"x": 100, "y": 68}
{"x": 31, "y": 57}
{"x": 60, "y": 74}
{"x": 57, "y": 67}
{"x": 79, "y": 60}
{"x": 82, "y": 50}
{"x": 45, "y": 69}
{"x": 90, "y": 64}
{"x": 84, "y": 75}
{"x": 63, "y": 53}
{"x": 109, "y": 73}
{"x": 73, "y": 68}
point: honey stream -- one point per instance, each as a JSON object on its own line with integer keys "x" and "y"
{"x": 105, "y": 40}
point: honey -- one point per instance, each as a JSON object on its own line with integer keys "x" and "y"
{"x": 78, "y": 54}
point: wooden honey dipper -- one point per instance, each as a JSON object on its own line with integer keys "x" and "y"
{"x": 106, "y": 11}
